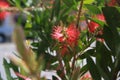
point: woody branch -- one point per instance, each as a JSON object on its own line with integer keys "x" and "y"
{"x": 15, "y": 9}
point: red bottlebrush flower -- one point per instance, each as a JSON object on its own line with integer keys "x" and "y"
{"x": 93, "y": 25}
{"x": 66, "y": 36}
{"x": 57, "y": 33}
{"x": 3, "y": 4}
{"x": 72, "y": 35}
{"x": 101, "y": 17}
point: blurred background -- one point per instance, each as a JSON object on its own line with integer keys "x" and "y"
{"x": 7, "y": 24}
{"x": 8, "y": 21}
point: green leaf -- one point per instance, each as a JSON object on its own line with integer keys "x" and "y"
{"x": 83, "y": 70}
{"x": 69, "y": 3}
{"x": 112, "y": 38}
{"x": 11, "y": 2}
{"x": 109, "y": 37}
{"x": 111, "y": 34}
{"x": 112, "y": 16}
{"x": 90, "y": 52}
{"x": 17, "y": 3}
{"x": 101, "y": 23}
{"x": 93, "y": 69}
{"x": 28, "y": 22}
{"x": 103, "y": 60}
{"x": 103, "y": 73}
{"x": 7, "y": 70}
{"x": 56, "y": 9}
{"x": 93, "y": 9}
{"x": 103, "y": 54}
{"x": 88, "y": 1}
{"x": 100, "y": 2}
{"x": 0, "y": 77}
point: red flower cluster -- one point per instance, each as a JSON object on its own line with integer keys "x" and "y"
{"x": 66, "y": 36}
{"x": 93, "y": 26}
{"x": 72, "y": 35}
{"x": 57, "y": 33}
{"x": 3, "y": 4}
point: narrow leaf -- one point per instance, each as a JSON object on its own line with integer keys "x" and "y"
{"x": 93, "y": 69}
{"x": 7, "y": 70}
{"x": 93, "y": 9}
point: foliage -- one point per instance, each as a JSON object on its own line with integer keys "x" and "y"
{"x": 95, "y": 52}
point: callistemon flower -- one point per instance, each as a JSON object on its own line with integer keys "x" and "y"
{"x": 72, "y": 35}
{"x": 67, "y": 36}
{"x": 93, "y": 25}
{"x": 3, "y": 4}
{"x": 57, "y": 33}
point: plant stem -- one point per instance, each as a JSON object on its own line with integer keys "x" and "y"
{"x": 73, "y": 63}
{"x": 79, "y": 13}
{"x": 61, "y": 66}
{"x": 20, "y": 75}
{"x": 15, "y": 9}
